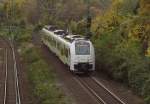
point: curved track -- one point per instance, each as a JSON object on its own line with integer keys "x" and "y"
{"x": 98, "y": 91}
{"x": 9, "y": 86}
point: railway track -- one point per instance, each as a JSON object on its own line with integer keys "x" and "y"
{"x": 17, "y": 90}
{"x": 3, "y": 74}
{"x": 98, "y": 91}
{"x": 10, "y": 92}
{"x": 6, "y": 77}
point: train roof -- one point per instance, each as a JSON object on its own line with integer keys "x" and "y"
{"x": 60, "y": 32}
{"x": 64, "y": 35}
{"x": 71, "y": 38}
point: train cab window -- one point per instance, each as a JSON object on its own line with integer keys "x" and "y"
{"x": 82, "y": 48}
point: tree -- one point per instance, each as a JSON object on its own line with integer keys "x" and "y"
{"x": 144, "y": 7}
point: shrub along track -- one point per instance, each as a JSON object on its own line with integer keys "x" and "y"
{"x": 10, "y": 90}
{"x": 79, "y": 88}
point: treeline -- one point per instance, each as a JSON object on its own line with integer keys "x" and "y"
{"x": 59, "y": 12}
{"x": 122, "y": 41}
{"x": 120, "y": 32}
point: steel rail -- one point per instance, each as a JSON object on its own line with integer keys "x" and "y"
{"x": 111, "y": 93}
{"x": 6, "y": 77}
{"x": 89, "y": 90}
{"x": 18, "y": 98}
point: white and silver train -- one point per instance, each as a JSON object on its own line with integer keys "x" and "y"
{"x": 75, "y": 51}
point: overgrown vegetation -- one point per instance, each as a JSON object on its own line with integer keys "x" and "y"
{"x": 41, "y": 76}
{"x": 122, "y": 40}
{"x": 121, "y": 32}
{"x": 42, "y": 79}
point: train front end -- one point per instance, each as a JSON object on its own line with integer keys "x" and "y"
{"x": 83, "y": 57}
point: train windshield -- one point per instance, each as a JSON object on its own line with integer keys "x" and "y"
{"x": 82, "y": 48}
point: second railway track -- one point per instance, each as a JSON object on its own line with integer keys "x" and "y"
{"x": 3, "y": 74}
{"x": 98, "y": 91}
{"x": 9, "y": 86}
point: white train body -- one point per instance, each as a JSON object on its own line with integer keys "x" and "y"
{"x": 78, "y": 53}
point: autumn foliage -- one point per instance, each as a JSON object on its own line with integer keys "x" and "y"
{"x": 120, "y": 32}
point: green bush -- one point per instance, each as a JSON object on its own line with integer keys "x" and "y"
{"x": 124, "y": 61}
{"x": 105, "y": 46}
{"x": 42, "y": 78}
{"x": 146, "y": 91}
{"x": 32, "y": 56}
{"x": 44, "y": 85}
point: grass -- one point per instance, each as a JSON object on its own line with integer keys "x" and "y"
{"x": 41, "y": 77}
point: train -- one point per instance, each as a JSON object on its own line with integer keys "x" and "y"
{"x": 75, "y": 51}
